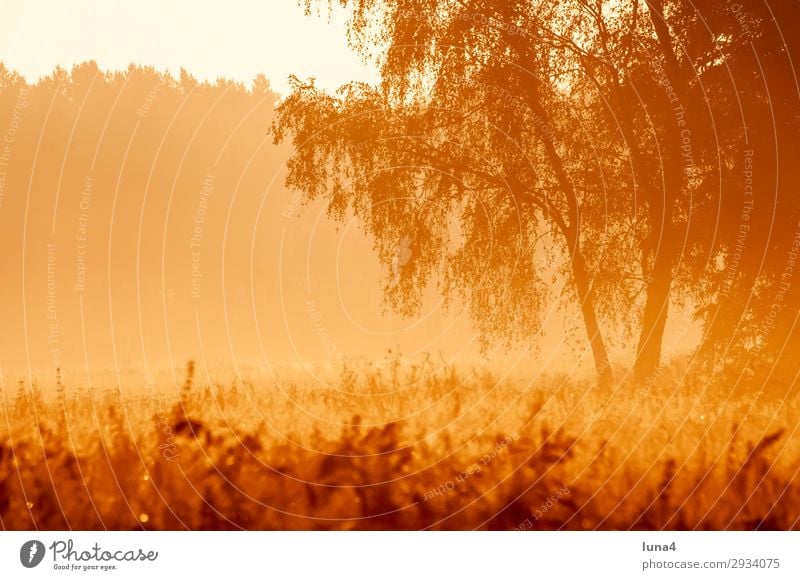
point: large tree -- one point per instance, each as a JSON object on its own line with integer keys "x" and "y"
{"x": 695, "y": 106}
{"x": 750, "y": 299}
{"x": 516, "y": 141}
{"x": 473, "y": 149}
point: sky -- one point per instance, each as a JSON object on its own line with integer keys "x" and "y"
{"x": 235, "y": 39}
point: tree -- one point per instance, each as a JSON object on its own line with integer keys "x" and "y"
{"x": 469, "y": 149}
{"x": 692, "y": 71}
{"x": 750, "y": 300}
{"x": 591, "y": 135}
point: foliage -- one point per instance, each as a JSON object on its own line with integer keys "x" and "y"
{"x": 597, "y": 146}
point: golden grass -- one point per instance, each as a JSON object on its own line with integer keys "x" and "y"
{"x": 396, "y": 446}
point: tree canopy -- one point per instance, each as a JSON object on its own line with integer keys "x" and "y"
{"x": 521, "y": 146}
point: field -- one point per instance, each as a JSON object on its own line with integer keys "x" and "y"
{"x": 398, "y": 446}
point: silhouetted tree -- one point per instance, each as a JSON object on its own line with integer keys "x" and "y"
{"x": 594, "y": 135}
{"x": 472, "y": 149}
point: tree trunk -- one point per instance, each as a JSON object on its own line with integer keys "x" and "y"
{"x": 656, "y": 309}
{"x": 571, "y": 231}
{"x": 664, "y": 245}
{"x": 654, "y": 318}
{"x": 585, "y": 297}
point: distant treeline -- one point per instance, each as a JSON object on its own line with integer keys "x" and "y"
{"x": 120, "y": 195}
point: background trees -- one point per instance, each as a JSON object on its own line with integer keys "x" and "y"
{"x": 109, "y": 167}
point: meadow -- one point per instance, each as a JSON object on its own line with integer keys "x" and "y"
{"x": 394, "y": 445}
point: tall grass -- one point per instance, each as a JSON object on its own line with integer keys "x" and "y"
{"x": 396, "y": 446}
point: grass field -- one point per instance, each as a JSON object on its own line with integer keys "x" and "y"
{"x": 398, "y": 446}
